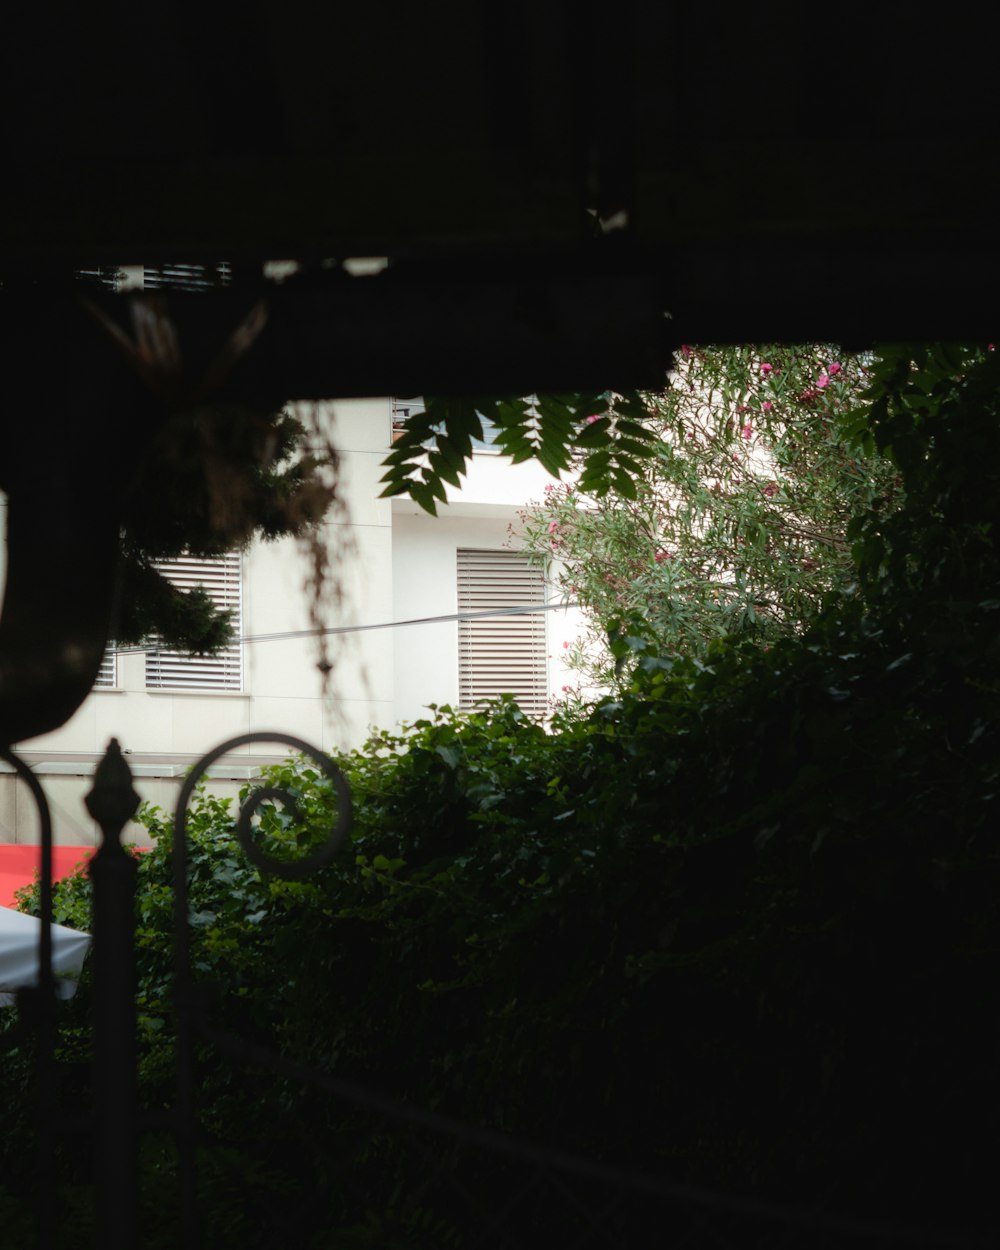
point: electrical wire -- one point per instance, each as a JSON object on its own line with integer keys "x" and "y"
{"x": 356, "y": 629}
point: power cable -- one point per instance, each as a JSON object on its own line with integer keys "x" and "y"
{"x": 356, "y": 629}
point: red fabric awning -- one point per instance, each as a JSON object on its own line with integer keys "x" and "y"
{"x": 19, "y": 864}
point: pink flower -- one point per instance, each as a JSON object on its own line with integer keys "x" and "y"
{"x": 685, "y": 350}
{"x": 548, "y": 489}
{"x": 565, "y": 646}
{"x": 990, "y": 347}
{"x": 591, "y": 419}
{"x": 747, "y": 431}
{"x": 834, "y": 369}
{"x": 823, "y": 380}
{"x": 663, "y": 555}
{"x": 553, "y": 526}
{"x": 565, "y": 689}
{"x": 766, "y": 406}
{"x": 766, "y": 368}
{"x": 771, "y": 489}
{"x": 742, "y": 407}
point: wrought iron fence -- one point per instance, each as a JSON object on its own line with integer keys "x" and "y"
{"x": 467, "y": 1185}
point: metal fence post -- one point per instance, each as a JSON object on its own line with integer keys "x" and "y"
{"x": 111, "y": 802}
{"x": 37, "y": 1005}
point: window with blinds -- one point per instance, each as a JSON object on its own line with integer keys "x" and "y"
{"x": 107, "y": 675}
{"x": 172, "y": 670}
{"x": 501, "y": 654}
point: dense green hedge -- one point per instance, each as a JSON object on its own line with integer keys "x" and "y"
{"x": 740, "y": 925}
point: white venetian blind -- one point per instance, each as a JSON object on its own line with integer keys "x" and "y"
{"x": 107, "y": 675}
{"x": 172, "y": 670}
{"x": 501, "y": 654}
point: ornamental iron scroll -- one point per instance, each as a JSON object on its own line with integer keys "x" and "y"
{"x": 191, "y": 1013}
{"x": 290, "y": 870}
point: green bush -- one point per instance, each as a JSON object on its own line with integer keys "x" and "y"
{"x": 739, "y": 924}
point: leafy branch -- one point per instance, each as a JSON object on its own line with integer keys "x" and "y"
{"x": 603, "y": 438}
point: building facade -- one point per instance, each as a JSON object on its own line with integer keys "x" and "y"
{"x": 423, "y": 610}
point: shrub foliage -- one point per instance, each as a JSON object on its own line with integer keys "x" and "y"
{"x": 738, "y": 925}
{"x": 738, "y": 520}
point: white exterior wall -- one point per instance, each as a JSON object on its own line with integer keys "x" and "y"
{"x": 395, "y": 563}
{"x": 165, "y": 730}
{"x": 424, "y": 585}
{"x": 483, "y": 513}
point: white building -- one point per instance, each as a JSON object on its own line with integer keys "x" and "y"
{"x": 397, "y": 565}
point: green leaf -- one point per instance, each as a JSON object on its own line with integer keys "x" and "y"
{"x": 423, "y": 496}
{"x": 551, "y": 460}
{"x": 625, "y": 484}
{"x": 451, "y": 453}
{"x": 633, "y": 429}
{"x": 595, "y": 434}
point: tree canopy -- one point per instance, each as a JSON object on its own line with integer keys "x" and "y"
{"x": 739, "y": 520}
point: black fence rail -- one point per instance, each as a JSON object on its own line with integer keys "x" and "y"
{"x": 395, "y": 1174}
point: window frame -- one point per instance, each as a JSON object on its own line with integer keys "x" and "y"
{"x": 503, "y": 654}
{"x": 168, "y": 670}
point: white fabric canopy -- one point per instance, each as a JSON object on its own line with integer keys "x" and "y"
{"x": 19, "y": 936}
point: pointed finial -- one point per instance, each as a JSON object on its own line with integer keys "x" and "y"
{"x": 113, "y": 800}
